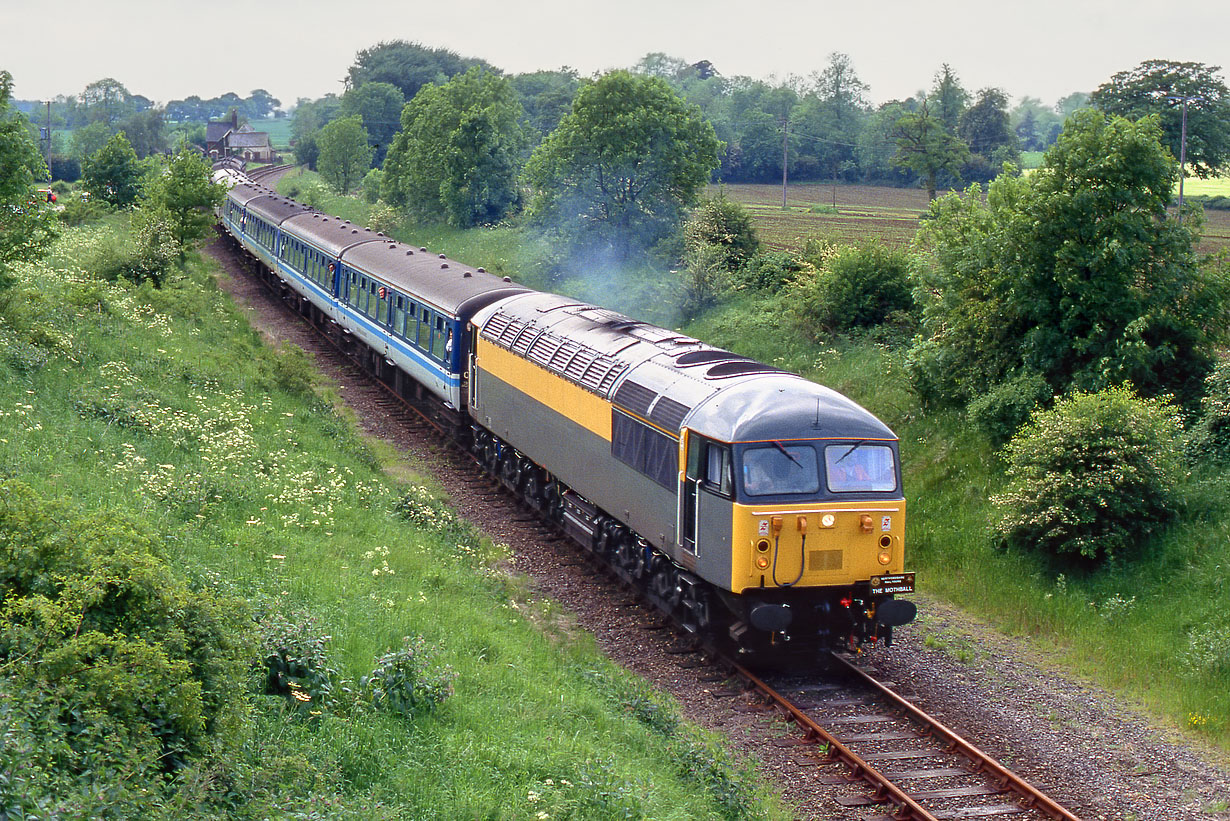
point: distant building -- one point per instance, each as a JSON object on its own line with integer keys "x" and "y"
{"x": 227, "y": 138}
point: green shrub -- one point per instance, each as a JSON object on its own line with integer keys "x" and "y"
{"x": 136, "y": 668}
{"x": 79, "y": 209}
{"x": 770, "y": 270}
{"x": 1000, "y": 412}
{"x": 1210, "y": 436}
{"x": 371, "y": 185}
{"x": 296, "y": 662}
{"x": 721, "y": 229}
{"x": 406, "y": 681}
{"x": 1093, "y": 476}
{"x": 384, "y": 218}
{"x": 858, "y": 287}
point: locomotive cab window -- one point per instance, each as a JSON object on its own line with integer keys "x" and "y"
{"x": 780, "y": 469}
{"x": 711, "y": 463}
{"x": 858, "y": 466}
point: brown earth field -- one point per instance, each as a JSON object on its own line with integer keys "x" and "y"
{"x": 851, "y": 213}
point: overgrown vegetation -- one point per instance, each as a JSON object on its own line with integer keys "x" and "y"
{"x": 214, "y": 604}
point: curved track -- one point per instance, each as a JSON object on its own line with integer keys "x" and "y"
{"x": 910, "y": 766}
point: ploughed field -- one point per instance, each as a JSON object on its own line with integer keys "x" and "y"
{"x": 852, "y": 213}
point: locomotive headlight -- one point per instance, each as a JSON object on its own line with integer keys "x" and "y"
{"x": 828, "y": 520}
{"x": 762, "y": 562}
{"x": 885, "y": 557}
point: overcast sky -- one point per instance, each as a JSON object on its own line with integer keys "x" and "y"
{"x": 170, "y": 49}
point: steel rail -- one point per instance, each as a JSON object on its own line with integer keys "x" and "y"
{"x": 885, "y": 790}
{"x": 1029, "y": 795}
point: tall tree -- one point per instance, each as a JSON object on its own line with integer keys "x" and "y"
{"x": 345, "y": 156}
{"x": 261, "y": 103}
{"x": 27, "y": 223}
{"x": 925, "y": 147}
{"x": 146, "y": 131}
{"x": 546, "y": 96}
{"x": 1075, "y": 274}
{"x": 1162, "y": 87}
{"x": 379, "y": 105}
{"x": 985, "y": 127}
{"x": 113, "y": 173}
{"x": 621, "y": 169}
{"x": 829, "y": 119}
{"x": 949, "y": 98}
{"x": 105, "y": 100}
{"x": 185, "y": 193}
{"x": 459, "y": 151}
{"x": 409, "y": 66}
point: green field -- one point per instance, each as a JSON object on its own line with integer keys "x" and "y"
{"x": 278, "y": 129}
{"x": 851, "y": 213}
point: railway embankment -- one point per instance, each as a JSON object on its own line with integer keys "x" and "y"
{"x": 218, "y": 601}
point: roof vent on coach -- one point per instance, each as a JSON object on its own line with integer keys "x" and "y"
{"x": 467, "y": 275}
{"x": 442, "y": 256}
{"x": 508, "y": 279}
{"x": 409, "y": 252}
{"x": 481, "y": 270}
{"x": 443, "y": 264}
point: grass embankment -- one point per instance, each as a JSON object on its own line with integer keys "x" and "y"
{"x": 1150, "y": 627}
{"x": 164, "y": 407}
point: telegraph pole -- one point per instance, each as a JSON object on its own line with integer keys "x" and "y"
{"x": 1183, "y": 146}
{"x": 785, "y": 157}
{"x": 46, "y": 141}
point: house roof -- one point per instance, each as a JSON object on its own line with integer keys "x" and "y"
{"x": 249, "y": 139}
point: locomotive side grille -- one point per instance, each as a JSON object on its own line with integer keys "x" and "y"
{"x": 824, "y": 559}
{"x": 602, "y": 373}
{"x": 567, "y": 349}
{"x": 564, "y": 357}
{"x": 496, "y": 326}
{"x": 543, "y": 349}
{"x": 668, "y": 413}
{"x": 579, "y": 364}
{"x": 635, "y": 397}
{"x": 521, "y": 344}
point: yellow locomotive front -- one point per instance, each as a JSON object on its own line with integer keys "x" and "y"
{"x": 801, "y": 489}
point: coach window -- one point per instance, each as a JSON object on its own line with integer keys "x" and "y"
{"x": 424, "y": 340}
{"x": 438, "y": 339}
{"x": 399, "y": 315}
{"x": 354, "y": 288}
{"x": 373, "y": 298}
{"x": 384, "y": 306}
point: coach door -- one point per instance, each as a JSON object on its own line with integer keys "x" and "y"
{"x": 708, "y": 487}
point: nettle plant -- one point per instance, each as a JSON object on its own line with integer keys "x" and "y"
{"x": 1093, "y": 476}
{"x": 407, "y": 681}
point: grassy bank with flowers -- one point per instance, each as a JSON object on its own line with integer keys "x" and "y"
{"x": 214, "y": 602}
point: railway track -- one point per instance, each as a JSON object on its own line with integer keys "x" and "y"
{"x": 883, "y": 758}
{"x": 859, "y": 731}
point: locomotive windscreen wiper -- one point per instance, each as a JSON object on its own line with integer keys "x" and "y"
{"x": 853, "y": 448}
{"x": 786, "y": 453}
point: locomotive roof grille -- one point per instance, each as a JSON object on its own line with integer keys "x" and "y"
{"x": 668, "y": 413}
{"x": 564, "y": 357}
{"x": 635, "y": 397}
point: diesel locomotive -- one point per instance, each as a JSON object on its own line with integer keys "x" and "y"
{"x": 753, "y": 505}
